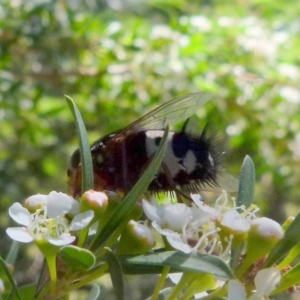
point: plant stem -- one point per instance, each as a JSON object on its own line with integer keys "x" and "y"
{"x": 160, "y": 283}
{"x": 51, "y": 261}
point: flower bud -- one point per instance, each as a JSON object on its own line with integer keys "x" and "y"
{"x": 35, "y": 202}
{"x": 136, "y": 238}
{"x": 96, "y": 201}
{"x": 262, "y": 237}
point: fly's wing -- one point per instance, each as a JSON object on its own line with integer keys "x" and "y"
{"x": 226, "y": 182}
{"x": 171, "y": 113}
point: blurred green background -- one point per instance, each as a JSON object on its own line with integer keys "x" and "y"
{"x": 119, "y": 59}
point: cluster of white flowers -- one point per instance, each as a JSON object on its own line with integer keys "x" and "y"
{"x": 216, "y": 230}
{"x": 198, "y": 228}
{"x": 44, "y": 219}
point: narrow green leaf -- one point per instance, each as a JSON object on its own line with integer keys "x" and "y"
{"x": 290, "y": 239}
{"x": 13, "y": 253}
{"x": 76, "y": 258}
{"x": 94, "y": 292}
{"x": 26, "y": 292}
{"x": 42, "y": 286}
{"x": 247, "y": 182}
{"x": 132, "y": 197}
{"x": 290, "y": 278}
{"x": 140, "y": 269}
{"x": 116, "y": 274}
{"x": 85, "y": 151}
{"x": 197, "y": 262}
{"x": 11, "y": 280}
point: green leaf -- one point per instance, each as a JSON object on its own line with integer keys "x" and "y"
{"x": 15, "y": 290}
{"x": 247, "y": 182}
{"x": 78, "y": 259}
{"x": 290, "y": 239}
{"x": 26, "y": 292}
{"x": 132, "y": 197}
{"x": 13, "y": 253}
{"x": 85, "y": 150}
{"x": 136, "y": 269}
{"x": 116, "y": 274}
{"x": 197, "y": 262}
{"x": 94, "y": 292}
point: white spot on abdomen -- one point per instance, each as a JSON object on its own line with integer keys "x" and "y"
{"x": 190, "y": 161}
{"x": 170, "y": 160}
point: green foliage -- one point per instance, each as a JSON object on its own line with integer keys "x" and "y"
{"x": 180, "y": 261}
{"x": 85, "y": 151}
{"x": 76, "y": 258}
{"x": 247, "y": 182}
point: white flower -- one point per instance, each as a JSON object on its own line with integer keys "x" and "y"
{"x": 48, "y": 222}
{"x": 235, "y": 221}
{"x": 186, "y": 229}
{"x": 172, "y": 216}
{"x": 265, "y": 281}
{"x": 170, "y": 220}
{"x": 197, "y": 228}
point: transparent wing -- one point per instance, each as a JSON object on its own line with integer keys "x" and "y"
{"x": 171, "y": 113}
{"x": 226, "y": 182}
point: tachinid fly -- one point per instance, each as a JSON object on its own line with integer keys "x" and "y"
{"x": 119, "y": 159}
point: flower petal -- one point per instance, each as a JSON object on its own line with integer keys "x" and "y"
{"x": 19, "y": 214}
{"x": 19, "y": 234}
{"x": 74, "y": 208}
{"x": 236, "y": 290}
{"x": 266, "y": 281}
{"x": 82, "y": 220}
{"x": 93, "y": 228}
{"x": 58, "y": 204}
{"x": 175, "y": 277}
{"x": 62, "y": 240}
{"x": 176, "y": 242}
{"x": 176, "y": 215}
{"x": 151, "y": 211}
{"x": 235, "y": 221}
